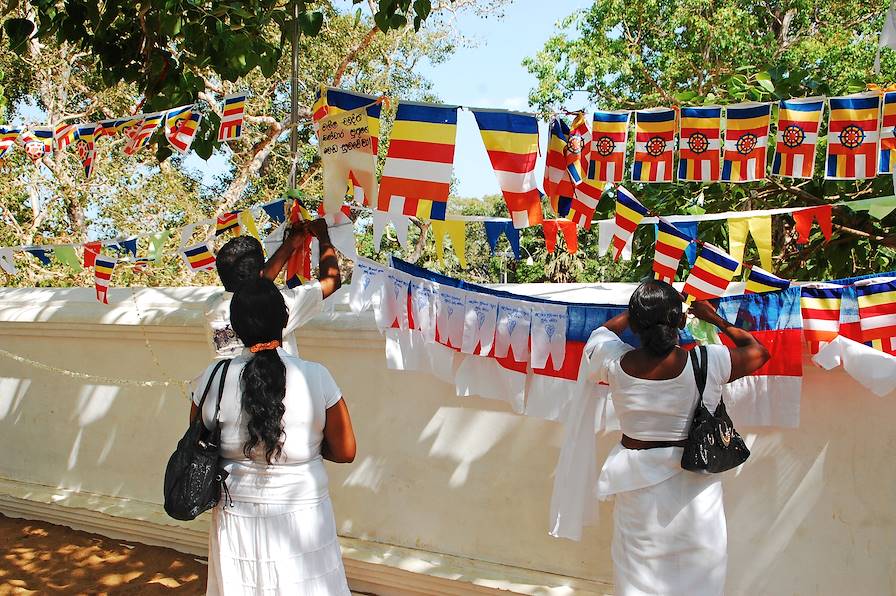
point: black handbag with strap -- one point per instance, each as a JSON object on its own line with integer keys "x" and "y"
{"x": 194, "y": 477}
{"x": 713, "y": 445}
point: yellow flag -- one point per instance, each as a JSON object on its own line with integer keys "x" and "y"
{"x": 247, "y": 223}
{"x": 457, "y": 232}
{"x": 760, "y": 228}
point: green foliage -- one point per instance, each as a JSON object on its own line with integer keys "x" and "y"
{"x": 642, "y": 53}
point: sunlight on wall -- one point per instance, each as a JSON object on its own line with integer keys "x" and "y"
{"x": 12, "y": 391}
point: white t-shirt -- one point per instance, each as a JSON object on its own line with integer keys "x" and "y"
{"x": 303, "y": 303}
{"x": 652, "y": 410}
{"x": 298, "y": 475}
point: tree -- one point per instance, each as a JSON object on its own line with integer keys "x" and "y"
{"x": 641, "y": 53}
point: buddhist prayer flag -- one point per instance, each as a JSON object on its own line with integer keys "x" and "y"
{"x": 198, "y": 257}
{"x": 853, "y": 134}
{"x": 417, "y": 174}
{"x": 85, "y": 145}
{"x": 584, "y": 203}
{"x": 820, "y": 304}
{"x": 798, "y": 124}
{"x": 41, "y": 254}
{"x": 760, "y": 281}
{"x": 609, "y": 140}
{"x": 887, "y": 135}
{"x": 232, "y": 114}
{"x": 558, "y": 185}
{"x": 64, "y": 135}
{"x": 670, "y": 246}
{"x": 8, "y": 138}
{"x": 38, "y": 141}
{"x": 143, "y": 131}
{"x": 511, "y": 140}
{"x": 654, "y": 140}
{"x": 127, "y": 126}
{"x": 629, "y": 213}
{"x": 102, "y": 270}
{"x": 746, "y": 141}
{"x": 181, "y": 125}
{"x": 140, "y": 263}
{"x": 578, "y": 146}
{"x": 711, "y": 274}
{"x": 699, "y": 141}
{"x": 877, "y": 313}
{"x": 227, "y": 222}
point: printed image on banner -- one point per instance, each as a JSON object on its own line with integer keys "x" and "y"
{"x": 760, "y": 281}
{"x": 711, "y": 274}
{"x": 746, "y": 141}
{"x": 609, "y": 140}
{"x": 232, "y": 113}
{"x": 654, "y": 143}
{"x": 511, "y": 141}
{"x": 332, "y": 100}
{"x": 85, "y": 145}
{"x": 853, "y": 136}
{"x": 877, "y": 313}
{"x": 8, "y": 138}
{"x": 797, "y": 137}
{"x": 559, "y": 180}
{"x": 181, "y": 125}
{"x": 699, "y": 144}
{"x": 417, "y": 174}
{"x": 670, "y": 246}
{"x": 820, "y": 304}
{"x": 888, "y": 135}
{"x": 38, "y": 141}
{"x": 629, "y": 213}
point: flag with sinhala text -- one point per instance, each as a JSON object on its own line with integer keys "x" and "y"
{"x": 629, "y": 213}
{"x": 888, "y": 135}
{"x": 511, "y": 140}
{"x": 699, "y": 140}
{"x": 711, "y": 274}
{"x": 417, "y": 174}
{"x": 746, "y": 141}
{"x": 853, "y": 137}
{"x": 670, "y": 246}
{"x": 654, "y": 141}
{"x": 797, "y": 137}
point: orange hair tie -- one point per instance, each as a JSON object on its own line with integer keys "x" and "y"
{"x": 271, "y": 345}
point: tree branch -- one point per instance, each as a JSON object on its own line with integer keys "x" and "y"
{"x": 350, "y": 57}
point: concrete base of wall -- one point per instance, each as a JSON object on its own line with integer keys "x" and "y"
{"x": 371, "y": 567}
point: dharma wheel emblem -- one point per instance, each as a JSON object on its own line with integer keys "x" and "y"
{"x": 852, "y": 137}
{"x": 698, "y": 143}
{"x": 605, "y": 146}
{"x": 793, "y": 136}
{"x": 655, "y": 146}
{"x": 746, "y": 143}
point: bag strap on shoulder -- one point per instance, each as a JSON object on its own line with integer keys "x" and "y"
{"x": 208, "y": 385}
{"x": 221, "y": 392}
{"x": 700, "y": 368}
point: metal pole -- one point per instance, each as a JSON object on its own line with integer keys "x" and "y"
{"x": 294, "y": 97}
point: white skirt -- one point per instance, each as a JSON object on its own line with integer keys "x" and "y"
{"x": 269, "y": 549}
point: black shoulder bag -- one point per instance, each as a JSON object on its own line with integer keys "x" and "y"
{"x": 194, "y": 477}
{"x": 713, "y": 444}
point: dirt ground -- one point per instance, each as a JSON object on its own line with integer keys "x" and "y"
{"x": 42, "y": 558}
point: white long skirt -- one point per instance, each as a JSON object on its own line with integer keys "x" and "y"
{"x": 266, "y": 549}
{"x": 670, "y": 538}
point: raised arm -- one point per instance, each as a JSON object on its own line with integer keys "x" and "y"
{"x": 294, "y": 240}
{"x": 339, "y": 437}
{"x": 328, "y": 266}
{"x": 748, "y": 355}
{"x": 619, "y": 323}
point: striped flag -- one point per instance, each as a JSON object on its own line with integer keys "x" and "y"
{"x": 820, "y": 305}
{"x": 797, "y": 139}
{"x": 584, "y": 203}
{"x": 332, "y": 100}
{"x": 877, "y": 313}
{"x": 629, "y": 213}
{"x": 746, "y": 141}
{"x": 654, "y": 140}
{"x": 853, "y": 137}
{"x": 670, "y": 246}
{"x": 760, "y": 281}
{"x": 198, "y": 257}
{"x": 143, "y": 131}
{"x": 227, "y": 222}
{"x": 232, "y": 114}
{"x": 181, "y": 126}
{"x": 417, "y": 174}
{"x": 711, "y": 274}
{"x": 609, "y": 139}
{"x": 102, "y": 274}
{"x": 699, "y": 144}
{"x": 558, "y": 186}
{"x": 577, "y": 149}
{"x": 64, "y": 135}
{"x": 121, "y": 126}
{"x": 140, "y": 263}
{"x": 511, "y": 140}
{"x": 8, "y": 138}
{"x": 85, "y": 145}
{"x": 888, "y": 135}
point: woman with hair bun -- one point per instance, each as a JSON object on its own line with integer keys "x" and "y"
{"x": 274, "y": 533}
{"x": 669, "y": 533}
